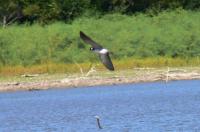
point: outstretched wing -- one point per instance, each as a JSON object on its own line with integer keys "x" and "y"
{"x": 90, "y": 41}
{"x": 105, "y": 58}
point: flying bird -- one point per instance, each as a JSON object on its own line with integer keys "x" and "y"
{"x": 97, "y": 48}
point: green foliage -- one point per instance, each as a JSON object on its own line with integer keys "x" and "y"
{"x": 48, "y": 11}
{"x": 72, "y": 8}
{"x": 45, "y": 11}
{"x": 10, "y": 11}
{"x": 171, "y": 34}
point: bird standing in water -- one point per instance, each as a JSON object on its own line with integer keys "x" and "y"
{"x": 97, "y": 48}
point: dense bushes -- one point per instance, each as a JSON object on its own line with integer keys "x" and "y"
{"x": 168, "y": 34}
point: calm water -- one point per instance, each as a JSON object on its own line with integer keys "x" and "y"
{"x": 144, "y": 107}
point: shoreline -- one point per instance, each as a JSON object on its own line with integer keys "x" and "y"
{"x": 96, "y": 78}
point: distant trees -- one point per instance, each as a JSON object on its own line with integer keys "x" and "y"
{"x": 66, "y": 10}
{"x": 41, "y": 11}
{"x": 10, "y": 11}
{"x": 54, "y": 9}
{"x": 142, "y": 5}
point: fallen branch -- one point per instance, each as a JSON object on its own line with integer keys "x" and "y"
{"x": 167, "y": 75}
{"x": 92, "y": 69}
{"x": 29, "y": 75}
{"x": 80, "y": 68}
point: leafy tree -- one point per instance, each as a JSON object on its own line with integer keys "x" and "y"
{"x": 10, "y": 11}
{"x": 43, "y": 11}
{"x": 70, "y": 9}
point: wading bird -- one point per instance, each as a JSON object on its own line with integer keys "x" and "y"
{"x": 97, "y": 48}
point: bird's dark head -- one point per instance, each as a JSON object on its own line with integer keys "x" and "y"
{"x": 91, "y": 48}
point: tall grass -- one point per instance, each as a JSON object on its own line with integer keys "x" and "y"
{"x": 170, "y": 34}
{"x": 127, "y": 63}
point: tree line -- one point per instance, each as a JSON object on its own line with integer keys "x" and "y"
{"x": 46, "y": 11}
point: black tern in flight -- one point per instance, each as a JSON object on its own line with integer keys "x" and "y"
{"x": 97, "y": 48}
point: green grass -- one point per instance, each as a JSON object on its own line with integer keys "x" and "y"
{"x": 142, "y": 40}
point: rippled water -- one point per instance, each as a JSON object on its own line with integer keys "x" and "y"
{"x": 147, "y": 107}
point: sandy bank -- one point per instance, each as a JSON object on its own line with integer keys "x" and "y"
{"x": 40, "y": 82}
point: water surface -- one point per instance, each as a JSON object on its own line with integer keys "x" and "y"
{"x": 143, "y": 107}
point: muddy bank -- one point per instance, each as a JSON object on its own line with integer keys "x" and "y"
{"x": 100, "y": 78}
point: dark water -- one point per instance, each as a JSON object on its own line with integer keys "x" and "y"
{"x": 145, "y": 107}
